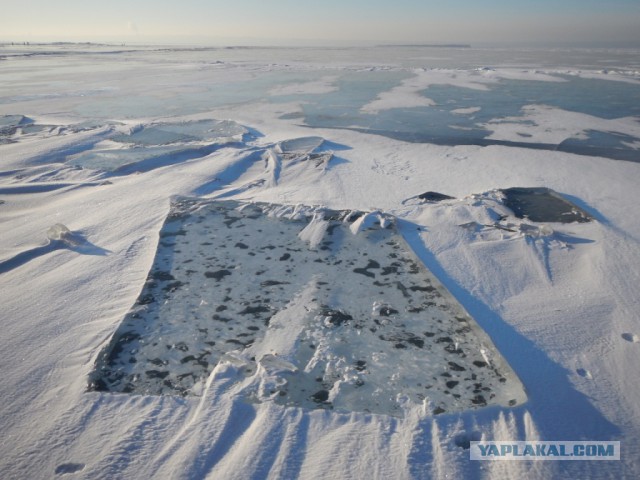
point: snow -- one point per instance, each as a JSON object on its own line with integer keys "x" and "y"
{"x": 558, "y": 301}
{"x": 544, "y": 124}
{"x": 313, "y": 87}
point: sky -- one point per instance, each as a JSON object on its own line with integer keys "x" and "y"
{"x": 325, "y": 22}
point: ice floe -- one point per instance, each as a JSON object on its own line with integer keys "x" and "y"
{"x": 373, "y": 325}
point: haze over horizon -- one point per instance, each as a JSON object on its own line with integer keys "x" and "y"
{"x": 285, "y": 22}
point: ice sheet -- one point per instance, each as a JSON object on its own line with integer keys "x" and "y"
{"x": 376, "y": 331}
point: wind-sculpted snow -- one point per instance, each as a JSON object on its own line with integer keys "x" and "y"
{"x": 320, "y": 308}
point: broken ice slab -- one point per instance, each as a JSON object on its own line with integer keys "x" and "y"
{"x": 9, "y": 125}
{"x": 301, "y": 145}
{"x": 434, "y": 197}
{"x": 202, "y": 131}
{"x": 304, "y": 149}
{"x": 7, "y": 121}
{"x": 150, "y": 146}
{"x": 112, "y": 159}
{"x": 542, "y": 204}
{"x": 317, "y": 308}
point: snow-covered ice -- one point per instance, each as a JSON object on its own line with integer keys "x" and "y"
{"x": 376, "y": 322}
{"x": 97, "y": 156}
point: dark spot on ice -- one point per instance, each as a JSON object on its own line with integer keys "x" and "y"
{"x": 320, "y": 396}
{"x": 284, "y": 257}
{"x": 162, "y": 276}
{"x": 173, "y": 286}
{"x": 241, "y": 246}
{"x": 418, "y": 342}
{"x": 387, "y": 311}
{"x": 361, "y": 365}
{"x": 452, "y": 383}
{"x": 389, "y": 270}
{"x": 335, "y": 317}
{"x": 434, "y": 197}
{"x": 66, "y": 468}
{"x": 180, "y": 232}
{"x": 455, "y": 367}
{"x": 146, "y": 299}
{"x": 255, "y": 310}
{"x": 271, "y": 283}
{"x": 400, "y": 345}
{"x": 363, "y": 271}
{"x": 439, "y": 410}
{"x": 98, "y": 385}
{"x": 479, "y": 400}
{"x": 464, "y": 440}
{"x": 220, "y": 319}
{"x": 221, "y": 308}
{"x": 417, "y": 288}
{"x": 451, "y": 348}
{"x": 480, "y": 363}
{"x": 156, "y": 374}
{"x": 218, "y": 275}
{"x": 444, "y": 340}
{"x": 403, "y": 290}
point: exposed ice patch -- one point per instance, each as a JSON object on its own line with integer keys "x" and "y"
{"x": 201, "y": 131}
{"x": 317, "y": 308}
{"x": 302, "y": 145}
{"x": 144, "y": 147}
{"x": 542, "y": 205}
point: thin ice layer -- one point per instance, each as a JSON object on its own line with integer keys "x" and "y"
{"x": 149, "y": 146}
{"x": 323, "y": 309}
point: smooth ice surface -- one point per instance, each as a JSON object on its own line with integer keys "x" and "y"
{"x": 374, "y": 330}
{"x": 542, "y": 205}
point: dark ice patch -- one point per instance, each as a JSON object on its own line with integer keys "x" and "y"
{"x": 542, "y": 205}
{"x": 434, "y": 197}
{"x": 218, "y": 274}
